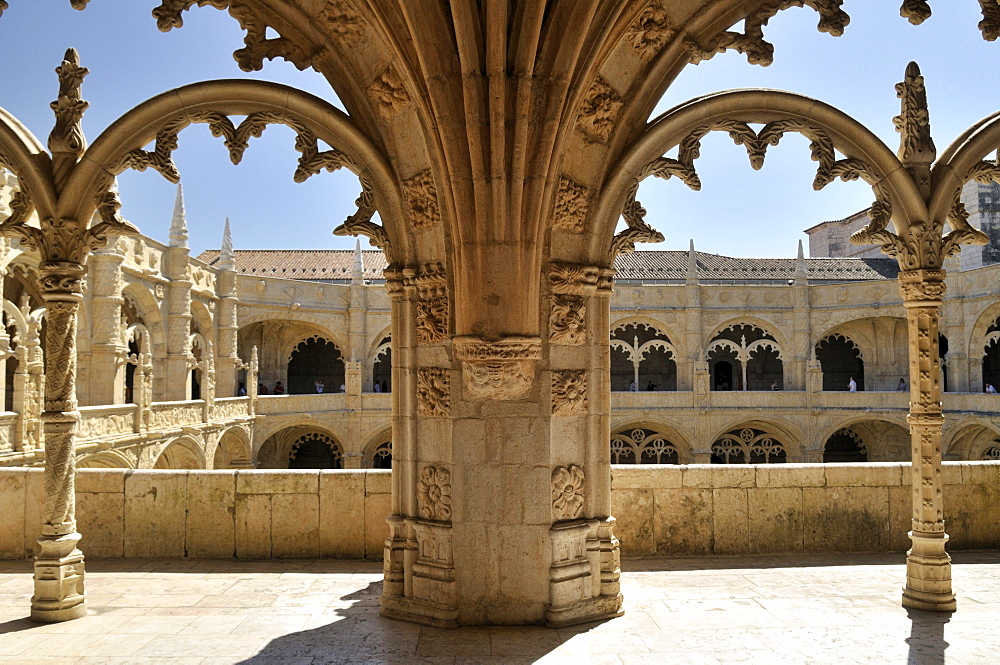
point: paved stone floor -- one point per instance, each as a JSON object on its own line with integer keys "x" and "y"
{"x": 769, "y": 610}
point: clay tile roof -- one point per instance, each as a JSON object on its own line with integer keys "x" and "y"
{"x": 309, "y": 264}
{"x": 651, "y": 265}
{"x": 672, "y": 265}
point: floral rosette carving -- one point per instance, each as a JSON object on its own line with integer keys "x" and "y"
{"x": 567, "y": 492}
{"x": 569, "y": 392}
{"x": 434, "y": 493}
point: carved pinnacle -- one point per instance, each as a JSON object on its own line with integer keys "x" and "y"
{"x": 916, "y": 147}
{"x": 66, "y": 142}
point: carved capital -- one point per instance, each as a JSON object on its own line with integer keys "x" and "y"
{"x": 501, "y": 370}
{"x": 62, "y": 281}
{"x": 922, "y": 287}
{"x": 569, "y": 392}
{"x": 433, "y": 392}
{"x": 572, "y": 278}
{"x": 567, "y": 492}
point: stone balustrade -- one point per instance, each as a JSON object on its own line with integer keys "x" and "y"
{"x": 661, "y": 510}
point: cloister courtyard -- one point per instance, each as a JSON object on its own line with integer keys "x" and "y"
{"x": 766, "y": 610}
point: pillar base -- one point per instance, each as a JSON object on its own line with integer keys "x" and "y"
{"x": 585, "y": 611}
{"x": 928, "y": 575}
{"x": 59, "y": 594}
{"x": 425, "y": 614}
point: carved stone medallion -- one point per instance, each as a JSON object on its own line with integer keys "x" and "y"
{"x": 567, "y": 492}
{"x": 434, "y": 493}
{"x": 501, "y": 370}
{"x": 567, "y": 320}
{"x": 600, "y": 110}
{"x": 569, "y": 392}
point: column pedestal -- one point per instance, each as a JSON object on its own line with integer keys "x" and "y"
{"x": 59, "y": 592}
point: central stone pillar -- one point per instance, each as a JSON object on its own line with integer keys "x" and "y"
{"x": 501, "y": 462}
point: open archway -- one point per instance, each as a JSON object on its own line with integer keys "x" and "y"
{"x": 841, "y": 362}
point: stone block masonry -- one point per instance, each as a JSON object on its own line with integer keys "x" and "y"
{"x": 661, "y": 510}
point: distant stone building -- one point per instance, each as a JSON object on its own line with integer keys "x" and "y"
{"x": 982, "y": 202}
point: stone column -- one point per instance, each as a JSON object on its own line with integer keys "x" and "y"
{"x": 227, "y": 361}
{"x": 106, "y": 348}
{"x": 59, "y": 570}
{"x": 178, "y": 306}
{"x": 928, "y": 566}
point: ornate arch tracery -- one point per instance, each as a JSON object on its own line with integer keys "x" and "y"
{"x": 646, "y": 341}
{"x": 757, "y": 353}
{"x": 643, "y": 445}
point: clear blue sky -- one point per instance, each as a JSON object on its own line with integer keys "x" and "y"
{"x": 738, "y": 212}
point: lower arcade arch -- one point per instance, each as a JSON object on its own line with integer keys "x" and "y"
{"x": 233, "y": 450}
{"x": 183, "y": 453}
{"x": 867, "y": 440}
{"x": 301, "y": 447}
{"x": 378, "y": 452}
{"x": 754, "y": 442}
{"x": 106, "y": 459}
{"x": 974, "y": 442}
{"x": 647, "y": 443}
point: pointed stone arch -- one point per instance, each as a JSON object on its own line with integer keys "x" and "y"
{"x": 181, "y": 453}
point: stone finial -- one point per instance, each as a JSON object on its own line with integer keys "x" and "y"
{"x": 358, "y": 272}
{"x": 178, "y": 225}
{"x": 226, "y": 259}
{"x": 692, "y": 267}
{"x": 800, "y": 263}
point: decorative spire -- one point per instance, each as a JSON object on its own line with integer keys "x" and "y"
{"x": 800, "y": 263}
{"x": 66, "y": 142}
{"x": 692, "y": 272}
{"x": 226, "y": 259}
{"x": 357, "y": 275}
{"x": 178, "y": 225}
{"x": 916, "y": 147}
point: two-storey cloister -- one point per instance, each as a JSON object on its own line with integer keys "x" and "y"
{"x": 509, "y": 342}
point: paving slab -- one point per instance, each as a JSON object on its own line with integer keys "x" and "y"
{"x": 795, "y": 609}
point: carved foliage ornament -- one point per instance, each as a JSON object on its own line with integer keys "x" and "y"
{"x": 343, "y": 21}
{"x": 433, "y": 392}
{"x": 360, "y": 223}
{"x": 501, "y": 370}
{"x": 434, "y": 493}
{"x": 389, "y": 93}
{"x": 257, "y": 46}
{"x": 636, "y": 228}
{"x": 569, "y": 392}
{"x": 571, "y": 206}
{"x": 422, "y": 201}
{"x": 237, "y": 140}
{"x": 570, "y": 285}
{"x": 567, "y": 492}
{"x": 432, "y": 303}
{"x": 650, "y": 31}
{"x": 751, "y": 42}
{"x": 600, "y": 110}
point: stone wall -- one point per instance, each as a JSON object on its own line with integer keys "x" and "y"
{"x": 661, "y": 510}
